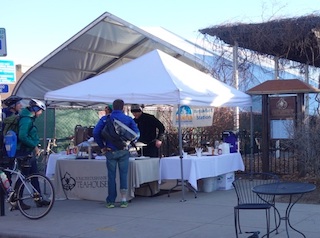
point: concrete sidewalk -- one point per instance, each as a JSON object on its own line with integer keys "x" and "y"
{"x": 209, "y": 215}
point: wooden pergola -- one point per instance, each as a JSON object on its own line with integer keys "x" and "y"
{"x": 296, "y": 39}
{"x": 292, "y": 39}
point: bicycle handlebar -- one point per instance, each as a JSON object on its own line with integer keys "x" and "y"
{"x": 58, "y": 139}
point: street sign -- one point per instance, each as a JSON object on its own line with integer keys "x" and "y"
{"x": 7, "y": 72}
{"x": 4, "y": 88}
{"x": 3, "y": 44}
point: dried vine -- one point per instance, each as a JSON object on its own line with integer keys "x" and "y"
{"x": 295, "y": 39}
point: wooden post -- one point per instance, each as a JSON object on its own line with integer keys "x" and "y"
{"x": 265, "y": 133}
{"x": 300, "y": 117}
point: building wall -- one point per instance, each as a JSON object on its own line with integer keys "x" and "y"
{"x": 20, "y": 69}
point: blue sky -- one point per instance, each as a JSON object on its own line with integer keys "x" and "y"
{"x": 35, "y": 28}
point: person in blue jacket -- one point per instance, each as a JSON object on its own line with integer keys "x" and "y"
{"x": 115, "y": 157}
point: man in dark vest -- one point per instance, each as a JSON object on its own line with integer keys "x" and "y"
{"x": 151, "y": 131}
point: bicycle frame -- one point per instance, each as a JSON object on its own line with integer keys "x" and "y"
{"x": 33, "y": 202}
{"x": 20, "y": 177}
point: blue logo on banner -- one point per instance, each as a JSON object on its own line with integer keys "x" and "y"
{"x": 186, "y": 114}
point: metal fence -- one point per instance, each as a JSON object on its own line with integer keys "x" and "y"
{"x": 282, "y": 161}
{"x": 61, "y": 123}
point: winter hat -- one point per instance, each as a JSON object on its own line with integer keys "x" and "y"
{"x": 136, "y": 108}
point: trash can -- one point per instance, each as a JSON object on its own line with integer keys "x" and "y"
{"x": 209, "y": 184}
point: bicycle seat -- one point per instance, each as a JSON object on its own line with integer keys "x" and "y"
{"x": 23, "y": 161}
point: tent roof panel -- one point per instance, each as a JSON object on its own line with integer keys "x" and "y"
{"x": 106, "y": 43}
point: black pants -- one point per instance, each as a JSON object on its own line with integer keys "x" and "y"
{"x": 27, "y": 170}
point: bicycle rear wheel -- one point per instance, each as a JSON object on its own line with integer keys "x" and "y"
{"x": 35, "y": 204}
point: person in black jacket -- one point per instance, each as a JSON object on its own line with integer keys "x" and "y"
{"x": 151, "y": 131}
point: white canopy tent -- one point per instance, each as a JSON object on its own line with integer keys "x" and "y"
{"x": 154, "y": 78}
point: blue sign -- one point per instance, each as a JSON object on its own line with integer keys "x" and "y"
{"x": 3, "y": 46}
{"x": 7, "y": 72}
{"x": 4, "y": 88}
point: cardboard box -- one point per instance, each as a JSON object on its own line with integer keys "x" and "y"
{"x": 225, "y": 181}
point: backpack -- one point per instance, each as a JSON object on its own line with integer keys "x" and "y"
{"x": 11, "y": 123}
{"x": 117, "y": 133}
{"x": 10, "y": 134}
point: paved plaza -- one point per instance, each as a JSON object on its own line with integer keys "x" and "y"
{"x": 208, "y": 215}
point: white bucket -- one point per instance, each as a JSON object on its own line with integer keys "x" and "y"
{"x": 209, "y": 184}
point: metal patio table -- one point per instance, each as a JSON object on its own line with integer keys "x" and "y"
{"x": 295, "y": 190}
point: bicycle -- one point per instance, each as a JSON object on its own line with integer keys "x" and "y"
{"x": 25, "y": 194}
{"x": 44, "y": 154}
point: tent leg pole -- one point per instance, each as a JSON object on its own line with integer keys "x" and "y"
{"x": 181, "y": 153}
{"x": 183, "y": 182}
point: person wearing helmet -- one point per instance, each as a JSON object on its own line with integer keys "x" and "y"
{"x": 13, "y": 106}
{"x": 29, "y": 139}
{"x": 28, "y": 133}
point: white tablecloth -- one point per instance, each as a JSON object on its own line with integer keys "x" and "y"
{"x": 195, "y": 168}
{"x": 87, "y": 179}
{"x": 52, "y": 161}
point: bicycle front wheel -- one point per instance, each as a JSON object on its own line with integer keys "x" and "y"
{"x": 35, "y": 196}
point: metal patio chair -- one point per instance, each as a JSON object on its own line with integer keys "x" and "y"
{"x": 248, "y": 200}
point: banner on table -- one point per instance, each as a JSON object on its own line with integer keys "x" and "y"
{"x": 193, "y": 116}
